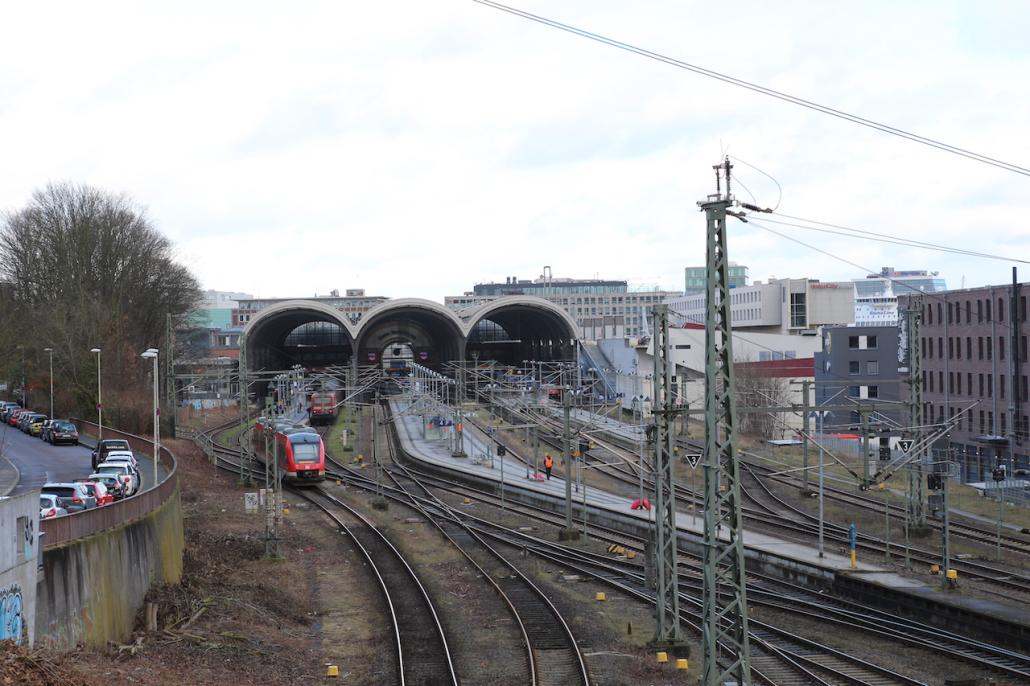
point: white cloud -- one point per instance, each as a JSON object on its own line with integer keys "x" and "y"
{"x": 416, "y": 148}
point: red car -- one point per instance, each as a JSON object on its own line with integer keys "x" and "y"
{"x": 99, "y": 491}
{"x": 13, "y": 418}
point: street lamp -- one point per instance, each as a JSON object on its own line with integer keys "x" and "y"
{"x": 100, "y": 402}
{"x": 151, "y": 353}
{"x": 50, "y": 351}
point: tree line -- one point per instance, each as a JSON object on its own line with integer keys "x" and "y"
{"x": 82, "y": 268}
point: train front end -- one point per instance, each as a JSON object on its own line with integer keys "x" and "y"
{"x": 305, "y": 458}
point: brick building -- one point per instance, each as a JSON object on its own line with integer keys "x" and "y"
{"x": 973, "y": 344}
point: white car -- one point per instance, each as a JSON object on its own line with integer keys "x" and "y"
{"x": 49, "y": 506}
{"x": 122, "y": 456}
{"x": 125, "y": 473}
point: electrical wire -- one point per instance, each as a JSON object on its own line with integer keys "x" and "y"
{"x": 779, "y": 95}
{"x": 850, "y": 232}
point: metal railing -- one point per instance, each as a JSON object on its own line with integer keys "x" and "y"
{"x": 60, "y": 530}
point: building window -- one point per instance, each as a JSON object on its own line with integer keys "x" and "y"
{"x": 871, "y": 342}
{"x": 872, "y": 368}
{"x": 853, "y": 342}
{"x": 940, "y": 381}
{"x": 951, "y": 350}
{"x": 1001, "y": 386}
{"x": 989, "y": 344}
{"x": 979, "y": 319}
{"x": 951, "y": 382}
{"x": 990, "y": 386}
{"x": 853, "y": 392}
{"x": 853, "y": 367}
{"x": 940, "y": 314}
{"x": 1022, "y": 308}
{"x": 940, "y": 347}
{"x": 929, "y": 387}
{"x": 874, "y": 392}
{"x": 969, "y": 312}
{"x": 949, "y": 314}
{"x": 1001, "y": 310}
{"x": 981, "y": 422}
{"x": 981, "y": 384}
{"x": 969, "y": 347}
{"x": 1001, "y": 347}
{"x": 922, "y": 345}
{"x": 969, "y": 383}
{"x": 987, "y": 308}
{"x": 958, "y": 383}
{"x": 798, "y": 311}
{"x": 929, "y": 314}
{"x": 1022, "y": 348}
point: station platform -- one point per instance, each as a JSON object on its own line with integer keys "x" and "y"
{"x": 795, "y": 560}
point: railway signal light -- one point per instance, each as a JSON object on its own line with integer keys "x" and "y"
{"x": 934, "y": 482}
{"x": 502, "y": 450}
{"x": 998, "y": 473}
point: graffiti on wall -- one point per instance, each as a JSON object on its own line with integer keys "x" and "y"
{"x": 10, "y": 613}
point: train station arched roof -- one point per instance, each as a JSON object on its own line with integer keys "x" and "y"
{"x": 509, "y": 329}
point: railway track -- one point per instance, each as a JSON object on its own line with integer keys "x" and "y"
{"x": 554, "y": 656}
{"x": 796, "y": 524}
{"x": 423, "y": 656}
{"x": 793, "y": 653}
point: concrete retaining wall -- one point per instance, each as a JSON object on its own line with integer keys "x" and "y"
{"x": 91, "y": 588}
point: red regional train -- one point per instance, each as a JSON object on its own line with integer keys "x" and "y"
{"x": 301, "y": 453}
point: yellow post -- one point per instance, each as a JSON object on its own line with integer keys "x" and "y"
{"x": 854, "y": 559}
{"x": 662, "y": 657}
{"x": 682, "y": 664}
{"x": 332, "y": 671}
{"x": 600, "y": 596}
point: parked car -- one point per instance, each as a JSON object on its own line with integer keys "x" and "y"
{"x": 122, "y": 455}
{"x": 106, "y": 445}
{"x": 35, "y": 425}
{"x": 71, "y": 496}
{"x": 125, "y": 473}
{"x": 98, "y": 490}
{"x": 62, "y": 431}
{"x": 12, "y": 418}
{"x": 23, "y": 419}
{"x": 46, "y": 428}
{"x": 111, "y": 482}
{"x": 49, "y": 506}
{"x": 6, "y": 407}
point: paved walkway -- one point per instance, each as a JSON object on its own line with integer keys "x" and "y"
{"x": 9, "y": 476}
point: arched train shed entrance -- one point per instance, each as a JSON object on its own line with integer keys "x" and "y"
{"x": 297, "y": 332}
{"x": 516, "y": 328}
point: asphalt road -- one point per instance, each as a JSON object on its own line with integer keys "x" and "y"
{"x": 39, "y": 462}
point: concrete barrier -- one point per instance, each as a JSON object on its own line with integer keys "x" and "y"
{"x": 99, "y": 564}
{"x": 91, "y": 588}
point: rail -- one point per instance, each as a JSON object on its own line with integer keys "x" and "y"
{"x": 61, "y": 530}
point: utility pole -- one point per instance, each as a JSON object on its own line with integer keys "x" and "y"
{"x": 724, "y": 621}
{"x": 805, "y": 383}
{"x": 459, "y": 429}
{"x": 864, "y": 482}
{"x": 171, "y": 406}
{"x": 568, "y": 533}
{"x": 245, "y": 465}
{"x": 667, "y": 624}
{"x": 916, "y": 479}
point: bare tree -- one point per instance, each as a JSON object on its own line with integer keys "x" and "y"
{"x": 85, "y": 268}
{"x": 755, "y": 388}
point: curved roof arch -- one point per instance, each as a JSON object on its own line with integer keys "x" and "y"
{"x": 299, "y": 307}
{"x": 528, "y": 302}
{"x": 369, "y": 318}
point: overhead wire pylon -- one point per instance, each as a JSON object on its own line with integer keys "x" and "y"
{"x": 724, "y": 602}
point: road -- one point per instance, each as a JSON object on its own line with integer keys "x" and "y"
{"x": 39, "y": 462}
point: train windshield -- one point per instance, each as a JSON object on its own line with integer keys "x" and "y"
{"x": 305, "y": 452}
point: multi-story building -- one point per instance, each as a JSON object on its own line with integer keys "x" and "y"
{"x": 859, "y": 365}
{"x": 695, "y": 279}
{"x": 353, "y": 303}
{"x": 876, "y": 296}
{"x": 787, "y": 306}
{"x": 973, "y": 348}
{"x": 602, "y": 308}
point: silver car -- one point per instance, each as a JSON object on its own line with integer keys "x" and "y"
{"x": 71, "y": 496}
{"x": 125, "y": 473}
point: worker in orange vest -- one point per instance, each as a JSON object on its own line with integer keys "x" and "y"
{"x": 548, "y": 464}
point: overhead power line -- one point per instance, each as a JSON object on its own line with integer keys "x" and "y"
{"x": 779, "y": 95}
{"x": 836, "y": 229}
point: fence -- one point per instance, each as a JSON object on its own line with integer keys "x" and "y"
{"x": 60, "y": 530}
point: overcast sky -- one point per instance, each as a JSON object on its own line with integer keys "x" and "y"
{"x": 414, "y": 148}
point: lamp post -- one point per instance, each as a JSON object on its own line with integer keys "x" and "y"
{"x": 151, "y": 354}
{"x": 50, "y": 351}
{"x": 100, "y": 402}
{"x": 24, "y": 388}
